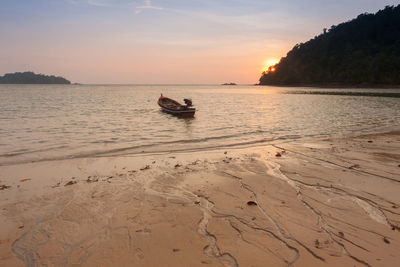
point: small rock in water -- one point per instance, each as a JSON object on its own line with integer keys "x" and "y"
{"x": 251, "y": 203}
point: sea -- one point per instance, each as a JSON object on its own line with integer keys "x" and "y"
{"x": 53, "y": 122}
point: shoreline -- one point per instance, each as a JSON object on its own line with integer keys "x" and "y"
{"x": 312, "y": 202}
{"x": 230, "y": 146}
{"x": 337, "y": 86}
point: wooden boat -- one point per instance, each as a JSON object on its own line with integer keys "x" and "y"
{"x": 170, "y": 106}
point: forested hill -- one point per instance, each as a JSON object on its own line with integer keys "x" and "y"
{"x": 363, "y": 51}
{"x": 31, "y": 78}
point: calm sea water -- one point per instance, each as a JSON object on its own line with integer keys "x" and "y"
{"x": 41, "y": 122}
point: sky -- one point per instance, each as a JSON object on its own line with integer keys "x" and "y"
{"x": 162, "y": 41}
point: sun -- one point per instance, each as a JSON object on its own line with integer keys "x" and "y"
{"x": 270, "y": 62}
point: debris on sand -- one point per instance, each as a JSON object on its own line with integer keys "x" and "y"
{"x": 3, "y": 186}
{"x": 145, "y": 168}
{"x": 92, "y": 179}
{"x": 177, "y": 165}
{"x": 354, "y": 166}
{"x": 386, "y": 240}
{"x": 70, "y": 183}
{"x": 24, "y": 180}
{"x": 278, "y": 155}
{"x": 251, "y": 203}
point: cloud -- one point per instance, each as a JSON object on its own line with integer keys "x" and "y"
{"x": 147, "y": 5}
{"x": 89, "y": 2}
{"x": 97, "y": 3}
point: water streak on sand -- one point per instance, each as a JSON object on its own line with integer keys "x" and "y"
{"x": 374, "y": 213}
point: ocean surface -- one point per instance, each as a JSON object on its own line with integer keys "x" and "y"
{"x": 47, "y": 122}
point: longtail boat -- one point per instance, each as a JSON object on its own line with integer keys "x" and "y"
{"x": 171, "y": 106}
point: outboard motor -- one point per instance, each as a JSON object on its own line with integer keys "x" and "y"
{"x": 188, "y": 102}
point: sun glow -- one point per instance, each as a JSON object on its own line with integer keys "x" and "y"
{"x": 269, "y": 63}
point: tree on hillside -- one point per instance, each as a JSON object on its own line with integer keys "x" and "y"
{"x": 365, "y": 50}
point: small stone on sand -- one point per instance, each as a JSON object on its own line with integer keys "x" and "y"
{"x": 251, "y": 203}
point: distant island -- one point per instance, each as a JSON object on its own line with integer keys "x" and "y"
{"x": 229, "y": 84}
{"x": 31, "y": 78}
{"x": 362, "y": 52}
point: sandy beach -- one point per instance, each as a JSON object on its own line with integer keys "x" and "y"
{"x": 315, "y": 202}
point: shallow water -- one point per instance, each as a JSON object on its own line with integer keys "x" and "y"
{"x": 40, "y": 122}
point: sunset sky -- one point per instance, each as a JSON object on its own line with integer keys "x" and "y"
{"x": 162, "y": 41}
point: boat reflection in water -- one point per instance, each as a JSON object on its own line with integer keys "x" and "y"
{"x": 171, "y": 106}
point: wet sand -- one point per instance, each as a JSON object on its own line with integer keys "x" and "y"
{"x": 326, "y": 202}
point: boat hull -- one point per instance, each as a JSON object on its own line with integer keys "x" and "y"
{"x": 172, "y": 107}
